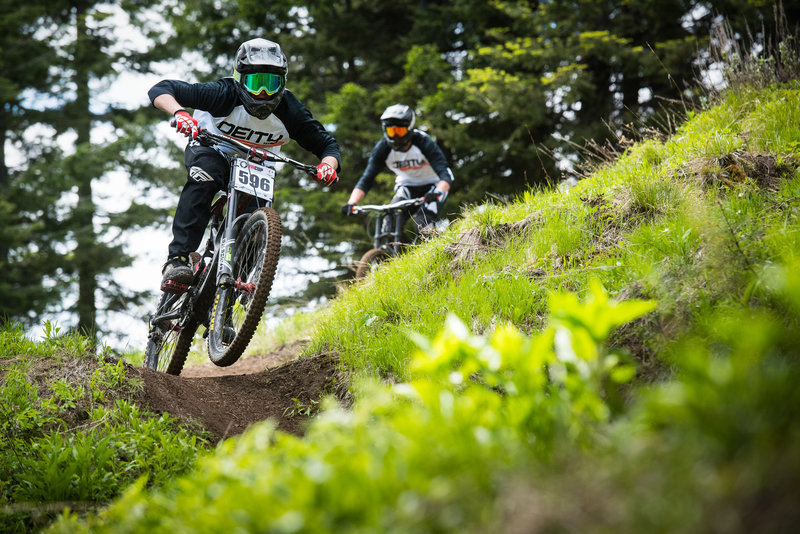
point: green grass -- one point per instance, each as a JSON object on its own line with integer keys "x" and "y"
{"x": 69, "y": 437}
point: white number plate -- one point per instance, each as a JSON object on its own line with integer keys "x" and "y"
{"x": 254, "y": 179}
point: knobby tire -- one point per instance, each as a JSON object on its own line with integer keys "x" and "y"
{"x": 182, "y": 348}
{"x": 369, "y": 261}
{"x": 255, "y": 260}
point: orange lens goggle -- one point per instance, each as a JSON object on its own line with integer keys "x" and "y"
{"x": 396, "y": 131}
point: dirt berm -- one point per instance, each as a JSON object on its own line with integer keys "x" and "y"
{"x": 227, "y": 400}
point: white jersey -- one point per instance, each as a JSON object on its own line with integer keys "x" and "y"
{"x": 411, "y": 167}
{"x": 269, "y": 133}
{"x": 218, "y": 109}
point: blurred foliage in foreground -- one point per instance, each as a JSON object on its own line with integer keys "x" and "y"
{"x": 514, "y": 433}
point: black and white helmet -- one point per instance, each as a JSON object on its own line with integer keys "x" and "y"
{"x": 398, "y": 123}
{"x": 259, "y": 69}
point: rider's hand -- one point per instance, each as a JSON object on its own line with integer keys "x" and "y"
{"x": 347, "y": 209}
{"x": 326, "y": 174}
{"x": 433, "y": 196}
{"x": 186, "y": 124}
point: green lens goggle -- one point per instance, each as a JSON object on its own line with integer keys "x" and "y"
{"x": 262, "y": 81}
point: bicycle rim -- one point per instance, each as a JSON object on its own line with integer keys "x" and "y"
{"x": 169, "y": 340}
{"x": 237, "y": 309}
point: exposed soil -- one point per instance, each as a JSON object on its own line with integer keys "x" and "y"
{"x": 227, "y": 400}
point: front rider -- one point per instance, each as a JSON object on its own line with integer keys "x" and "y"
{"x": 420, "y": 167}
{"x": 254, "y": 107}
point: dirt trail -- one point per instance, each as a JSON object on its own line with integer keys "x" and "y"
{"x": 248, "y": 365}
{"x": 227, "y": 400}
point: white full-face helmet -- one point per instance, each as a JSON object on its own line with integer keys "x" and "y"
{"x": 398, "y": 123}
{"x": 260, "y": 69}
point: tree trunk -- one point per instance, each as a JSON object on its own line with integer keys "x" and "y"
{"x": 4, "y": 183}
{"x": 85, "y": 210}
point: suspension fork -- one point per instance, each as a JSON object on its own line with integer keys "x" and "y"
{"x": 378, "y": 230}
{"x": 397, "y": 235}
{"x": 237, "y": 202}
{"x": 228, "y": 238}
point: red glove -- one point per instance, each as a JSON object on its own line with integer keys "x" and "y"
{"x": 326, "y": 174}
{"x": 186, "y": 124}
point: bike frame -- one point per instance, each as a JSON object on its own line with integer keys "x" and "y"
{"x": 221, "y": 238}
{"x": 390, "y": 241}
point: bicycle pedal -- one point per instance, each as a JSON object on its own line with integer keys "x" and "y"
{"x": 175, "y": 288}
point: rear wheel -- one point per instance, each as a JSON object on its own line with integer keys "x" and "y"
{"x": 238, "y": 306}
{"x": 170, "y": 337}
{"x": 369, "y": 261}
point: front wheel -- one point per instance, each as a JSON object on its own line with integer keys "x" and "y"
{"x": 238, "y": 306}
{"x": 170, "y": 337}
{"x": 369, "y": 261}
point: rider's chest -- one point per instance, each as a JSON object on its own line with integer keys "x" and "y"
{"x": 411, "y": 161}
{"x": 244, "y": 127}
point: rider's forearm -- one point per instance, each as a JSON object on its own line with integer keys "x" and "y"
{"x": 443, "y": 186}
{"x": 356, "y": 196}
{"x": 330, "y": 160}
{"x": 167, "y": 103}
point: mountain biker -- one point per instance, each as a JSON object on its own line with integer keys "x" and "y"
{"x": 252, "y": 106}
{"x": 420, "y": 167}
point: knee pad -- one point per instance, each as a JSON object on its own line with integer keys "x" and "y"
{"x": 401, "y": 193}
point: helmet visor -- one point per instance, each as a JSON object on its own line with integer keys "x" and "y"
{"x": 262, "y": 81}
{"x": 396, "y": 131}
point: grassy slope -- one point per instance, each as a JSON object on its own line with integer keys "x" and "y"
{"x": 705, "y": 223}
{"x": 684, "y": 221}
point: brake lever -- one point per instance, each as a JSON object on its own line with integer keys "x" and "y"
{"x": 258, "y": 156}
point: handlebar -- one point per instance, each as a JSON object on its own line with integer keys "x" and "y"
{"x": 388, "y": 207}
{"x": 256, "y": 155}
{"x": 206, "y": 138}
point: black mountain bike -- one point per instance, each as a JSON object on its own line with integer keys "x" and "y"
{"x": 387, "y": 239}
{"x": 233, "y": 273}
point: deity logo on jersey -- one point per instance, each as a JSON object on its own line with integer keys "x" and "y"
{"x": 248, "y": 134}
{"x": 412, "y": 163}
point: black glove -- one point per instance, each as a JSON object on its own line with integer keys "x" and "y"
{"x": 433, "y": 196}
{"x": 347, "y": 209}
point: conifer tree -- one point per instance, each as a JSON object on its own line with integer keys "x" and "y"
{"x": 25, "y": 252}
{"x": 63, "y": 243}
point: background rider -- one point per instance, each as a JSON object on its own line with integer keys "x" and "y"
{"x": 419, "y": 165}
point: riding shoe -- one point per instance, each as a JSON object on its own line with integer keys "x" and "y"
{"x": 177, "y": 271}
